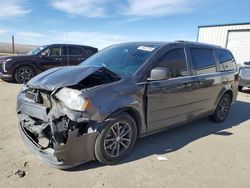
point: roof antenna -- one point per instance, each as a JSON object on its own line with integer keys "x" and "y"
{"x": 67, "y": 38}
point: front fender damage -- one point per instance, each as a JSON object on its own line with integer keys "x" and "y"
{"x": 58, "y": 135}
{"x": 63, "y": 138}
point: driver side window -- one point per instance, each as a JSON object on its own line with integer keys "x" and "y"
{"x": 54, "y": 51}
{"x": 175, "y": 61}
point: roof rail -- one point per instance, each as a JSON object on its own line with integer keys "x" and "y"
{"x": 201, "y": 43}
{"x": 180, "y": 41}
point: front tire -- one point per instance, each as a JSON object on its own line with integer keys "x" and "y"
{"x": 116, "y": 140}
{"x": 23, "y": 74}
{"x": 222, "y": 109}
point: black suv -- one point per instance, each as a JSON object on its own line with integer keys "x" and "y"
{"x": 97, "y": 110}
{"x": 22, "y": 68}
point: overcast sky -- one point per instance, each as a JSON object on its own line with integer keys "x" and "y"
{"x": 103, "y": 22}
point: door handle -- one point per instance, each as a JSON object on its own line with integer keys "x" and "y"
{"x": 184, "y": 85}
{"x": 81, "y": 59}
{"x": 180, "y": 86}
{"x": 58, "y": 59}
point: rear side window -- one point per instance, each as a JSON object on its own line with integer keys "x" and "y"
{"x": 175, "y": 61}
{"x": 91, "y": 51}
{"x": 226, "y": 60}
{"x": 203, "y": 60}
{"x": 75, "y": 51}
{"x": 64, "y": 50}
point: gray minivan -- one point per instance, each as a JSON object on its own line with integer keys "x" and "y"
{"x": 97, "y": 110}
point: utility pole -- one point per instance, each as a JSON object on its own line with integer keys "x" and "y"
{"x": 13, "y": 44}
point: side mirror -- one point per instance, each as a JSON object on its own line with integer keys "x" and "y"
{"x": 44, "y": 54}
{"x": 159, "y": 73}
{"x": 247, "y": 63}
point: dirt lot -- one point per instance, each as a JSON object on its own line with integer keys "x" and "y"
{"x": 199, "y": 154}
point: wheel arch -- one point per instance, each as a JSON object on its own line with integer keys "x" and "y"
{"x": 230, "y": 92}
{"x": 223, "y": 92}
{"x": 133, "y": 113}
{"x": 25, "y": 63}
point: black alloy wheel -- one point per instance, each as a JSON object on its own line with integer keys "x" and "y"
{"x": 23, "y": 74}
{"x": 222, "y": 109}
{"x": 116, "y": 140}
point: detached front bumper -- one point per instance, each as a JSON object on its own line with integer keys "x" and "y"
{"x": 77, "y": 150}
{"x": 68, "y": 143}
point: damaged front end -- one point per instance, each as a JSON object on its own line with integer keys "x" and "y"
{"x": 61, "y": 134}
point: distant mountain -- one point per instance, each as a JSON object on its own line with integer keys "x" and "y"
{"x": 19, "y": 48}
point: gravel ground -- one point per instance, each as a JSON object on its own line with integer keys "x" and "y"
{"x": 198, "y": 154}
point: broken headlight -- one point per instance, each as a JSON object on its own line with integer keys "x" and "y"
{"x": 24, "y": 87}
{"x": 72, "y": 99}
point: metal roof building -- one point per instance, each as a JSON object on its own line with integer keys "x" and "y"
{"x": 235, "y": 37}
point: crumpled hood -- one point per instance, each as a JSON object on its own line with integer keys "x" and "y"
{"x": 61, "y": 77}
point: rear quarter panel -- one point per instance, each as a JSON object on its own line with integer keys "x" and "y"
{"x": 228, "y": 84}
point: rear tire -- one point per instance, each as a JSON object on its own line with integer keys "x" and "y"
{"x": 23, "y": 74}
{"x": 222, "y": 109}
{"x": 240, "y": 88}
{"x": 116, "y": 140}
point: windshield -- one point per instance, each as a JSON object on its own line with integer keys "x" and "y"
{"x": 36, "y": 50}
{"x": 123, "y": 59}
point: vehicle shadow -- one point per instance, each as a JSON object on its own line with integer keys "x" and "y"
{"x": 9, "y": 82}
{"x": 247, "y": 91}
{"x": 177, "y": 138}
{"x": 173, "y": 140}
